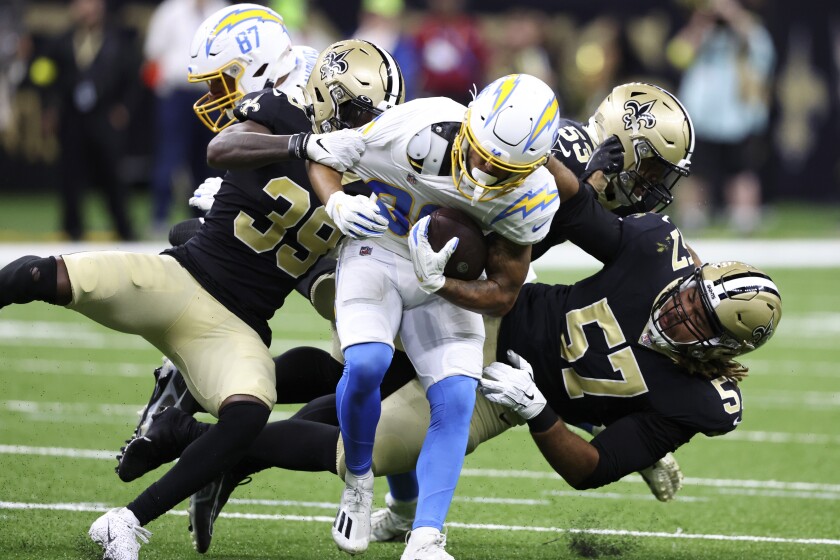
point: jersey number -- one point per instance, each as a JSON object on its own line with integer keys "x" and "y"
{"x": 397, "y": 205}
{"x": 622, "y": 360}
{"x": 727, "y": 395}
{"x": 316, "y": 235}
{"x": 573, "y": 135}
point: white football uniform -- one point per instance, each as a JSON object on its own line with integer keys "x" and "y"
{"x": 407, "y": 163}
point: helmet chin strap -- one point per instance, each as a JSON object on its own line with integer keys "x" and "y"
{"x": 482, "y": 178}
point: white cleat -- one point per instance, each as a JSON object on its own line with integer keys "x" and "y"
{"x": 394, "y": 522}
{"x": 117, "y": 532}
{"x": 351, "y": 529}
{"x": 426, "y": 543}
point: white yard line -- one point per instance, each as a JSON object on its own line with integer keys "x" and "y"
{"x": 812, "y": 487}
{"x": 772, "y": 253}
{"x": 91, "y": 507}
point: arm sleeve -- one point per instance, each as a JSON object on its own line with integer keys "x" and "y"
{"x": 633, "y": 443}
{"x": 584, "y": 222}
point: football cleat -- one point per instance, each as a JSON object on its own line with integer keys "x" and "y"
{"x": 664, "y": 478}
{"x": 160, "y": 445}
{"x": 205, "y": 506}
{"x": 351, "y": 529}
{"x": 392, "y": 523}
{"x": 170, "y": 390}
{"x": 426, "y": 543}
{"x": 117, "y": 532}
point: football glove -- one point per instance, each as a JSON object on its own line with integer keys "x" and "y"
{"x": 428, "y": 265}
{"x": 513, "y": 386}
{"x": 340, "y": 150}
{"x": 356, "y": 216}
{"x": 664, "y": 478}
{"x": 204, "y": 196}
{"x": 608, "y": 157}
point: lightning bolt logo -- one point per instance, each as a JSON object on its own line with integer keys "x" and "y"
{"x": 530, "y": 202}
{"x": 503, "y": 92}
{"x": 550, "y": 115}
{"x": 236, "y": 17}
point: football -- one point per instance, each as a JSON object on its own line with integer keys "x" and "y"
{"x": 469, "y": 258}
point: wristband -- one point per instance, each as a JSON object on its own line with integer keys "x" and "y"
{"x": 543, "y": 421}
{"x": 297, "y": 144}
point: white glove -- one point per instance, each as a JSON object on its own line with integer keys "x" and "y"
{"x": 340, "y": 150}
{"x": 356, "y": 216}
{"x": 204, "y": 196}
{"x": 428, "y": 265}
{"x": 664, "y": 478}
{"x": 513, "y": 386}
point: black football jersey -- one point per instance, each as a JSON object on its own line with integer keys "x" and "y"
{"x": 266, "y": 227}
{"x": 574, "y": 146}
{"x": 583, "y": 342}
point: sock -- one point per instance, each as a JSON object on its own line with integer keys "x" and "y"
{"x": 452, "y": 401}
{"x": 297, "y": 445}
{"x": 221, "y": 447}
{"x": 28, "y": 279}
{"x": 358, "y": 401}
{"x": 403, "y": 487}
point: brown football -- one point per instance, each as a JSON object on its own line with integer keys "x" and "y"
{"x": 470, "y": 257}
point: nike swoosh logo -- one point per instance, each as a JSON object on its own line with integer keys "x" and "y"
{"x": 527, "y": 396}
{"x": 110, "y": 538}
{"x": 540, "y": 226}
{"x": 562, "y": 149}
{"x": 318, "y": 141}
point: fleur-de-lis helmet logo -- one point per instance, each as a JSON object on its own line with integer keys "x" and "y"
{"x": 334, "y": 64}
{"x": 638, "y": 114}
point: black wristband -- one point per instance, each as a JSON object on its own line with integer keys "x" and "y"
{"x": 297, "y": 144}
{"x": 543, "y": 421}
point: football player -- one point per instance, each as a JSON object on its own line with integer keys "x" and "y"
{"x": 488, "y": 161}
{"x": 646, "y": 347}
{"x": 206, "y": 304}
{"x": 648, "y": 151}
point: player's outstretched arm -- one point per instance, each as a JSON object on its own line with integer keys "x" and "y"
{"x": 513, "y": 386}
{"x": 248, "y": 145}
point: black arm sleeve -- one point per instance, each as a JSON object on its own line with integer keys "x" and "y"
{"x": 631, "y": 444}
{"x": 587, "y": 224}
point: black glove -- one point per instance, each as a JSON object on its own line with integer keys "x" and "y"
{"x": 608, "y": 157}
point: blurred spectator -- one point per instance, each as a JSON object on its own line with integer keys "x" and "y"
{"x": 14, "y": 49}
{"x": 728, "y": 57}
{"x": 380, "y": 23}
{"x": 180, "y": 139}
{"x": 306, "y": 24}
{"x": 96, "y": 65}
{"x": 522, "y": 49}
{"x": 453, "y": 54}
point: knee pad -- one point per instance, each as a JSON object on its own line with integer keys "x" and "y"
{"x": 28, "y": 279}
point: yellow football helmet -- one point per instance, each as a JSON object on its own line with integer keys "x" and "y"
{"x": 512, "y": 123}
{"x": 657, "y": 135}
{"x": 351, "y": 83}
{"x": 743, "y": 308}
{"x": 246, "y": 47}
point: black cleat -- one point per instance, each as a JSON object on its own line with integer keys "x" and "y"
{"x": 170, "y": 390}
{"x": 205, "y": 506}
{"x": 160, "y": 445}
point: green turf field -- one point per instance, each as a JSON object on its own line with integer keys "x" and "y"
{"x": 771, "y": 489}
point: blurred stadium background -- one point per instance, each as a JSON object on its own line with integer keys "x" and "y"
{"x": 583, "y": 48}
{"x": 769, "y": 491}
